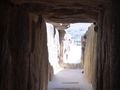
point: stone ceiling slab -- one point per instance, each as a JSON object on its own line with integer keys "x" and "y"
{"x": 64, "y": 11}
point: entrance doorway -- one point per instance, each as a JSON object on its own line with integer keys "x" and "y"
{"x": 69, "y": 76}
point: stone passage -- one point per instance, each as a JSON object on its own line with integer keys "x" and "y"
{"x": 23, "y": 43}
{"x": 69, "y": 79}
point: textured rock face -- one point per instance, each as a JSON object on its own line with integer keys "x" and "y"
{"x": 53, "y": 46}
{"x": 81, "y": 63}
{"x": 38, "y": 54}
{"x": 61, "y": 40}
{"x": 23, "y": 63}
{"x": 103, "y": 69}
{"x": 23, "y": 52}
{"x": 90, "y": 53}
{"x": 14, "y": 66}
{"x": 65, "y": 10}
{"x": 50, "y": 72}
{"x": 108, "y": 70}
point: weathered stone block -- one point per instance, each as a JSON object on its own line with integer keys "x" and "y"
{"x": 90, "y": 53}
{"x": 24, "y": 58}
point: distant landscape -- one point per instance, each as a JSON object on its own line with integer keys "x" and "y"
{"x": 77, "y": 33}
{"x": 76, "y": 30}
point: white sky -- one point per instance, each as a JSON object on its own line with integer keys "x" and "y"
{"x": 76, "y": 26}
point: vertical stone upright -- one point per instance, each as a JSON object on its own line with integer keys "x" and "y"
{"x": 14, "y": 61}
{"x": 108, "y": 49}
{"x": 115, "y": 46}
{"x": 61, "y": 40}
{"x": 38, "y": 63}
{"x": 90, "y": 53}
{"x": 24, "y": 58}
{"x": 53, "y": 49}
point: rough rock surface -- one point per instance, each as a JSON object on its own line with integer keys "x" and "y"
{"x": 55, "y": 10}
{"x": 108, "y": 50}
{"x": 24, "y": 62}
{"x": 64, "y": 10}
{"x": 23, "y": 55}
{"x": 61, "y": 40}
{"x": 14, "y": 65}
{"x": 53, "y": 46}
{"x": 106, "y": 67}
{"x": 50, "y": 72}
{"x": 38, "y": 54}
{"x": 81, "y": 57}
{"x": 90, "y": 53}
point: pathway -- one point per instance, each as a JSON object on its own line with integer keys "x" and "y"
{"x": 69, "y": 79}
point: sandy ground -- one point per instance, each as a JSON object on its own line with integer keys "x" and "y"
{"x": 69, "y": 79}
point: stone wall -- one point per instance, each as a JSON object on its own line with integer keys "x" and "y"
{"x": 23, "y": 48}
{"x": 90, "y": 53}
{"x": 39, "y": 53}
{"x": 102, "y": 54}
{"x": 61, "y": 40}
{"x": 50, "y": 72}
{"x": 102, "y": 68}
{"x": 81, "y": 57}
{"x": 53, "y": 45}
{"x": 24, "y": 62}
{"x": 108, "y": 56}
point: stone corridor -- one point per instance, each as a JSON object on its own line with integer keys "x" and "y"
{"x": 24, "y": 63}
{"x": 69, "y": 79}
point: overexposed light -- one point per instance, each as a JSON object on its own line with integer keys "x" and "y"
{"x": 84, "y": 26}
{"x": 60, "y": 24}
{"x": 58, "y": 70}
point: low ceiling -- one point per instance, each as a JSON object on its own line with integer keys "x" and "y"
{"x": 64, "y": 11}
